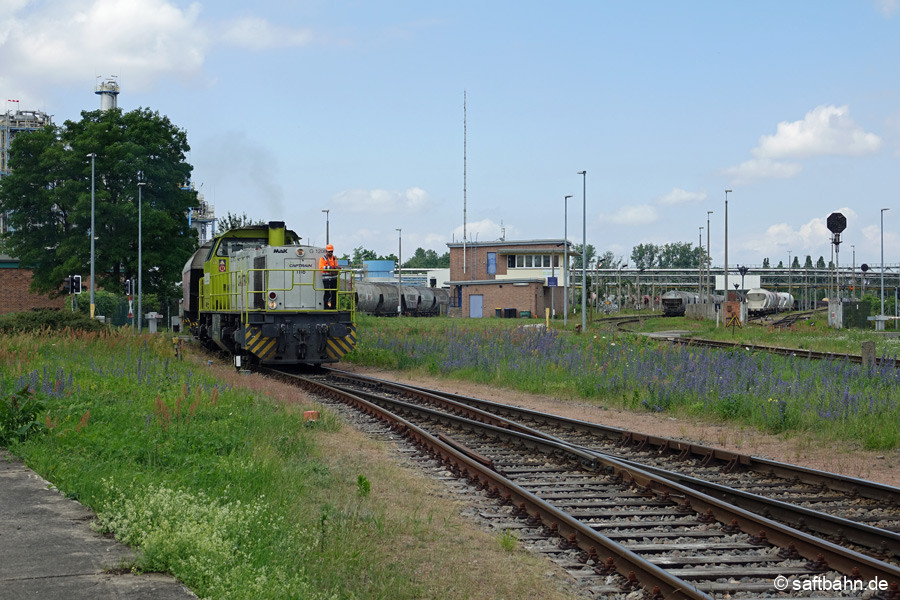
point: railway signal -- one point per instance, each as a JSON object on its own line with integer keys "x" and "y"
{"x": 76, "y": 284}
{"x": 836, "y": 222}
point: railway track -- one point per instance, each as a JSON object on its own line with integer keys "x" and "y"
{"x": 621, "y": 323}
{"x": 844, "y": 509}
{"x": 658, "y": 534}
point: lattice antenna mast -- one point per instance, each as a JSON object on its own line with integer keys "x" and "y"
{"x": 464, "y": 182}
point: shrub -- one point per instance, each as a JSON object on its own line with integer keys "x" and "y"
{"x": 46, "y": 319}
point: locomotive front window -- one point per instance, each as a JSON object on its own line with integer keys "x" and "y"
{"x": 230, "y": 246}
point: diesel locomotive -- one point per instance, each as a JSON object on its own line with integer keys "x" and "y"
{"x": 257, "y": 293}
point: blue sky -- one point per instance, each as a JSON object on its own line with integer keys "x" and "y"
{"x": 294, "y": 107}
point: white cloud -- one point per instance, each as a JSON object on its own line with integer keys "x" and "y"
{"x": 680, "y": 196}
{"x": 633, "y": 215}
{"x": 810, "y": 237}
{"x": 888, "y": 7}
{"x": 255, "y": 33}
{"x": 484, "y": 230}
{"x": 824, "y": 131}
{"x": 412, "y": 200}
{"x": 140, "y": 41}
{"x": 762, "y": 168}
{"x": 67, "y": 41}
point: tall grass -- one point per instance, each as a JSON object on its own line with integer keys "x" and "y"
{"x": 834, "y": 398}
{"x": 213, "y": 483}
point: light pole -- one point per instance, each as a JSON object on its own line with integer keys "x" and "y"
{"x": 619, "y": 288}
{"x": 326, "y": 211}
{"x": 708, "y": 258}
{"x": 399, "y": 271}
{"x": 140, "y": 315}
{"x": 726, "y": 245}
{"x": 93, "y": 234}
{"x": 583, "y": 251}
{"x": 700, "y": 261}
{"x": 882, "y": 260}
{"x": 853, "y": 277}
{"x": 566, "y": 260}
{"x": 790, "y": 266}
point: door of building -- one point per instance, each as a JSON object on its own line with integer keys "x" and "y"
{"x": 476, "y": 306}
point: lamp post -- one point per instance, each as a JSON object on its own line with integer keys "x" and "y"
{"x": 326, "y": 211}
{"x": 93, "y": 235}
{"x": 140, "y": 315}
{"x": 399, "y": 271}
{"x": 619, "y": 288}
{"x": 853, "y": 276}
{"x": 584, "y": 251}
{"x": 882, "y": 260}
{"x": 725, "y": 287}
{"x": 566, "y": 260}
{"x": 700, "y": 261}
{"x": 790, "y": 266}
{"x": 708, "y": 258}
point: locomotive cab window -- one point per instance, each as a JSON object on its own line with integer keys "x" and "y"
{"x": 230, "y": 246}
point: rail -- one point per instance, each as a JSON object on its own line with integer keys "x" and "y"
{"x": 473, "y": 466}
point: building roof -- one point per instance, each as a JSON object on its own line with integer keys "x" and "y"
{"x": 509, "y": 243}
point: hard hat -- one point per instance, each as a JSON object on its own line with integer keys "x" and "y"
{"x": 329, "y": 248}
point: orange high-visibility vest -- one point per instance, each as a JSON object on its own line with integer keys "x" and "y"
{"x": 325, "y": 263}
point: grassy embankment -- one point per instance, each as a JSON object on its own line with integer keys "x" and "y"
{"x": 830, "y": 400}
{"x": 216, "y": 478}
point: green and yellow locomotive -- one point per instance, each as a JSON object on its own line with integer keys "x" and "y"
{"x": 257, "y": 293}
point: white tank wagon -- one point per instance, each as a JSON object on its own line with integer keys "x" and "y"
{"x": 785, "y": 301}
{"x": 764, "y": 302}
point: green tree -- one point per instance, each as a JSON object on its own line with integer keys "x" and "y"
{"x": 360, "y": 254}
{"x": 427, "y": 259}
{"x": 809, "y": 263}
{"x": 575, "y": 255}
{"x": 48, "y": 198}
{"x": 644, "y": 256}
{"x": 795, "y": 264}
{"x": 608, "y": 260}
{"x": 820, "y": 264}
{"x": 233, "y": 221}
{"x": 765, "y": 264}
{"x": 680, "y": 255}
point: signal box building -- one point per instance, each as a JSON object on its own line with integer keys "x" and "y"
{"x": 507, "y": 278}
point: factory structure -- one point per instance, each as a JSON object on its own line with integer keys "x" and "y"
{"x": 12, "y": 123}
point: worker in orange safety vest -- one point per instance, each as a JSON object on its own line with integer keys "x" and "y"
{"x": 329, "y": 267}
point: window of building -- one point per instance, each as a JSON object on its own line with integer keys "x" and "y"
{"x": 531, "y": 261}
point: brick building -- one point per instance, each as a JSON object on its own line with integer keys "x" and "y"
{"x": 520, "y": 276}
{"x": 14, "y": 289}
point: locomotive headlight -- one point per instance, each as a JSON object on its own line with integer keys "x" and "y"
{"x": 273, "y": 304}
